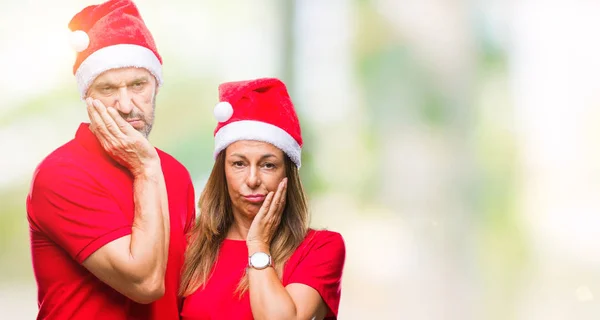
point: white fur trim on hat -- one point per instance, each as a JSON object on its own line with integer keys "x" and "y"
{"x": 258, "y": 131}
{"x": 113, "y": 57}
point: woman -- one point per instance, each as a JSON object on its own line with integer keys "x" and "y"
{"x": 251, "y": 254}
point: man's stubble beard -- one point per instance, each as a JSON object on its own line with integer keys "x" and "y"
{"x": 148, "y": 128}
{"x": 145, "y": 131}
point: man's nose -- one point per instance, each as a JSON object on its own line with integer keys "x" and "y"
{"x": 124, "y": 103}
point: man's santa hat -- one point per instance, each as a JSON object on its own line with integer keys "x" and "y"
{"x": 109, "y": 36}
{"x": 259, "y": 110}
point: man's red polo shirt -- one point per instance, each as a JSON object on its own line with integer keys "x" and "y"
{"x": 81, "y": 199}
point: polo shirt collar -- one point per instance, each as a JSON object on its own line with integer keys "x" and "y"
{"x": 89, "y": 142}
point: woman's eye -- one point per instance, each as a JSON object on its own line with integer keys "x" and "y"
{"x": 238, "y": 164}
{"x": 269, "y": 165}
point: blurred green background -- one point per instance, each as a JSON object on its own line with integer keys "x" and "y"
{"x": 454, "y": 144}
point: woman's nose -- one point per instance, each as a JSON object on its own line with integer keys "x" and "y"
{"x": 253, "y": 180}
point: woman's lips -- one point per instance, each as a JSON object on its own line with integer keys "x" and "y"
{"x": 255, "y": 198}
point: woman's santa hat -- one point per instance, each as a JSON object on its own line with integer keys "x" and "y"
{"x": 109, "y": 36}
{"x": 259, "y": 110}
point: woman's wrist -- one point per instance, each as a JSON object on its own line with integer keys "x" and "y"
{"x": 255, "y": 246}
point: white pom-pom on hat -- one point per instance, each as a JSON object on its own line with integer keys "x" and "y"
{"x": 223, "y": 111}
{"x": 79, "y": 40}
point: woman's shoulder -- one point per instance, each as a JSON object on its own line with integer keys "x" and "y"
{"x": 321, "y": 251}
{"x": 319, "y": 239}
{"x": 317, "y": 234}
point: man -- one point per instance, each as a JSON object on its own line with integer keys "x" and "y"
{"x": 107, "y": 211}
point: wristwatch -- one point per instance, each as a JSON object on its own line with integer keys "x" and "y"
{"x": 259, "y": 260}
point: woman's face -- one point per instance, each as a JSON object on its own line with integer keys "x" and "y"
{"x": 252, "y": 169}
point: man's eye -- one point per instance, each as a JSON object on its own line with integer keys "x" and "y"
{"x": 106, "y": 90}
{"x": 137, "y": 85}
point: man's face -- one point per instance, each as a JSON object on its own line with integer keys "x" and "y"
{"x": 131, "y": 91}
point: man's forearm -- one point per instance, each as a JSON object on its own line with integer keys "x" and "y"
{"x": 150, "y": 231}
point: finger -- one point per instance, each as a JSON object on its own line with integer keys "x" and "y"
{"x": 284, "y": 193}
{"x": 112, "y": 127}
{"x": 89, "y": 107}
{"x": 266, "y": 205}
{"x": 281, "y": 207}
{"x": 274, "y": 208}
{"x": 96, "y": 120}
{"x": 282, "y": 202}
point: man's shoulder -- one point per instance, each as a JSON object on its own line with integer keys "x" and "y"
{"x": 171, "y": 165}
{"x": 55, "y": 175}
{"x": 62, "y": 157}
{"x": 67, "y": 162}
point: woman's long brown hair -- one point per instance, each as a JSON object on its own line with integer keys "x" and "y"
{"x": 216, "y": 217}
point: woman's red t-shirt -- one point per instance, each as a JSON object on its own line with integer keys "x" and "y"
{"x": 317, "y": 263}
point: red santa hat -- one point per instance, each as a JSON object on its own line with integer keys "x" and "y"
{"x": 109, "y": 36}
{"x": 258, "y": 110}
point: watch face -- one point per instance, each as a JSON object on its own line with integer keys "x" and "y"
{"x": 259, "y": 260}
